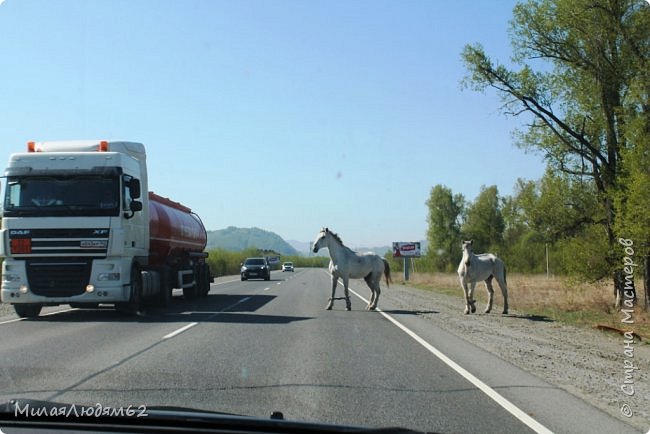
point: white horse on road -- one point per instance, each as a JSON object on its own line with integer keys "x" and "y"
{"x": 346, "y": 264}
{"x": 474, "y": 268}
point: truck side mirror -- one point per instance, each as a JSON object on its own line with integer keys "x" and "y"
{"x": 136, "y": 205}
{"x": 134, "y": 187}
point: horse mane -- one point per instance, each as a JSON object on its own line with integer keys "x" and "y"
{"x": 336, "y": 237}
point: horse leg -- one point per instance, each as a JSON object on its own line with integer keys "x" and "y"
{"x": 463, "y": 285}
{"x": 335, "y": 280}
{"x": 348, "y": 305}
{"x": 490, "y": 290}
{"x": 368, "y": 280}
{"x": 472, "y": 302}
{"x": 375, "y": 294}
{"x": 504, "y": 290}
{"x": 372, "y": 280}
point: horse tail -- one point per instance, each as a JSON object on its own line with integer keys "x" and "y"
{"x": 387, "y": 272}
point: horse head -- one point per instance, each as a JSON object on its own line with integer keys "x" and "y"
{"x": 467, "y": 251}
{"x": 320, "y": 239}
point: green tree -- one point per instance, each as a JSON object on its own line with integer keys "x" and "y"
{"x": 633, "y": 199}
{"x": 443, "y": 233}
{"x": 523, "y": 247}
{"x": 562, "y": 207}
{"x": 484, "y": 222}
{"x": 581, "y": 107}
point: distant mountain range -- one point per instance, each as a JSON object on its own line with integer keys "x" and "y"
{"x": 237, "y": 239}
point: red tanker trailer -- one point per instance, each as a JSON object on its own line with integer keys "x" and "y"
{"x": 177, "y": 240}
{"x": 77, "y": 230}
{"x": 174, "y": 230}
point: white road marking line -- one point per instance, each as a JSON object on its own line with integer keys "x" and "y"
{"x": 44, "y": 314}
{"x": 180, "y": 290}
{"x": 180, "y": 330}
{"x": 227, "y": 281}
{"x": 493, "y": 394}
{"x": 190, "y": 325}
{"x": 60, "y": 311}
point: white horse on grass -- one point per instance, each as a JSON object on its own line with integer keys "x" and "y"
{"x": 474, "y": 268}
{"x": 347, "y": 264}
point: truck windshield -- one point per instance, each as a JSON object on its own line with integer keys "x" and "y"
{"x": 62, "y": 196}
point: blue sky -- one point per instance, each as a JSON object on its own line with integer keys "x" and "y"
{"x": 284, "y": 115}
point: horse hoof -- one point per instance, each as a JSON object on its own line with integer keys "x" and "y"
{"x": 487, "y": 311}
{"x": 466, "y": 311}
{"x": 348, "y": 308}
{"x": 473, "y": 309}
{"x": 505, "y": 311}
{"x": 328, "y": 307}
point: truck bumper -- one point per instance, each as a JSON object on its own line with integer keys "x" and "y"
{"x": 104, "y": 286}
{"x": 99, "y": 295}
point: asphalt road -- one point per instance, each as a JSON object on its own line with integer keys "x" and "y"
{"x": 255, "y": 347}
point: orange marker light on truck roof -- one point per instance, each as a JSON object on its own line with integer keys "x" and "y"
{"x": 103, "y": 146}
{"x": 31, "y": 146}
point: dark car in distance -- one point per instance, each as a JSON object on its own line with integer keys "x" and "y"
{"x": 255, "y": 268}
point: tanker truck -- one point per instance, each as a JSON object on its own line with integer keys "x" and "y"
{"x": 77, "y": 229}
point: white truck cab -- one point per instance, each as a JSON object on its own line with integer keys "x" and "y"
{"x": 79, "y": 228}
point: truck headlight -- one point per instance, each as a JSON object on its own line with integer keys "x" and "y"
{"x": 104, "y": 277}
{"x": 8, "y": 278}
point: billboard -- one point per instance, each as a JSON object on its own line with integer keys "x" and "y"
{"x": 406, "y": 250}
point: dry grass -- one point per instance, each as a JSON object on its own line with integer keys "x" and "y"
{"x": 559, "y": 298}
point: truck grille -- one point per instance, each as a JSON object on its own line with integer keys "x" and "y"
{"x": 58, "y": 277}
{"x": 61, "y": 242}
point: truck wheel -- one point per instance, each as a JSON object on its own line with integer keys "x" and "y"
{"x": 208, "y": 278}
{"x": 134, "y": 305}
{"x": 165, "y": 295}
{"x": 193, "y": 291}
{"x": 204, "y": 275}
{"x": 189, "y": 293}
{"x": 27, "y": 310}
